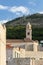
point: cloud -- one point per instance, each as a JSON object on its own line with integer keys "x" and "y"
{"x": 3, "y": 7}
{"x": 3, "y": 21}
{"x": 19, "y": 10}
{"x": 41, "y": 12}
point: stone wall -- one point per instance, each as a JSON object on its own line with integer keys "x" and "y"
{"x": 19, "y": 61}
{"x": 25, "y": 61}
{"x": 38, "y": 62}
{"x": 2, "y": 45}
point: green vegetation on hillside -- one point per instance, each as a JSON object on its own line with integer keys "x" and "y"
{"x": 16, "y": 28}
{"x": 16, "y": 32}
{"x": 19, "y": 32}
{"x": 37, "y": 33}
{"x": 34, "y": 19}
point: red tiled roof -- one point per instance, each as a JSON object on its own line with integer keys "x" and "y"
{"x": 14, "y": 40}
{"x": 18, "y": 40}
{"x": 9, "y": 46}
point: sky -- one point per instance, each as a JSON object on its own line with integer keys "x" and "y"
{"x": 11, "y": 9}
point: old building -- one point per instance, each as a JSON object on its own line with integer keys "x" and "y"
{"x": 2, "y": 44}
{"x": 26, "y": 49}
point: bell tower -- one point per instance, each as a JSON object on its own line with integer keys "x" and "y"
{"x": 28, "y": 31}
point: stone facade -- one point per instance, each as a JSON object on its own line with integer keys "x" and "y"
{"x": 2, "y": 45}
{"x": 19, "y": 61}
{"x": 27, "y": 51}
{"x": 25, "y": 61}
{"x": 29, "y": 31}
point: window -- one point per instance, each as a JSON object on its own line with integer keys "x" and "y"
{"x": 6, "y": 62}
{"x": 30, "y": 47}
{"x": 28, "y": 33}
{"x": 41, "y": 58}
{"x": 15, "y": 54}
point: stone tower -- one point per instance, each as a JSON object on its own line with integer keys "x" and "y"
{"x": 2, "y": 45}
{"x": 28, "y": 31}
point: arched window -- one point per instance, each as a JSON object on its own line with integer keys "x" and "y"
{"x": 28, "y": 33}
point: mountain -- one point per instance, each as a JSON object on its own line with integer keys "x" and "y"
{"x": 34, "y": 19}
{"x": 16, "y": 28}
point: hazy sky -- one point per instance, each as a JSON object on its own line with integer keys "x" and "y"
{"x": 10, "y": 9}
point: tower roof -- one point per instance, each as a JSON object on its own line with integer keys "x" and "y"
{"x": 28, "y": 25}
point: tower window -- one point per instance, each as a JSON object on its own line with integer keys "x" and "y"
{"x": 28, "y": 33}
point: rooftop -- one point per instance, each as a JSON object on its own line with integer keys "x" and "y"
{"x": 9, "y": 46}
{"x": 20, "y": 40}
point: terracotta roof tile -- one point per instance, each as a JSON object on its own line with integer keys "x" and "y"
{"x": 9, "y": 46}
{"x": 18, "y": 40}
{"x": 14, "y": 40}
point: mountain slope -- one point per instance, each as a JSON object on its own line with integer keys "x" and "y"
{"x": 16, "y": 28}
{"x": 35, "y": 19}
